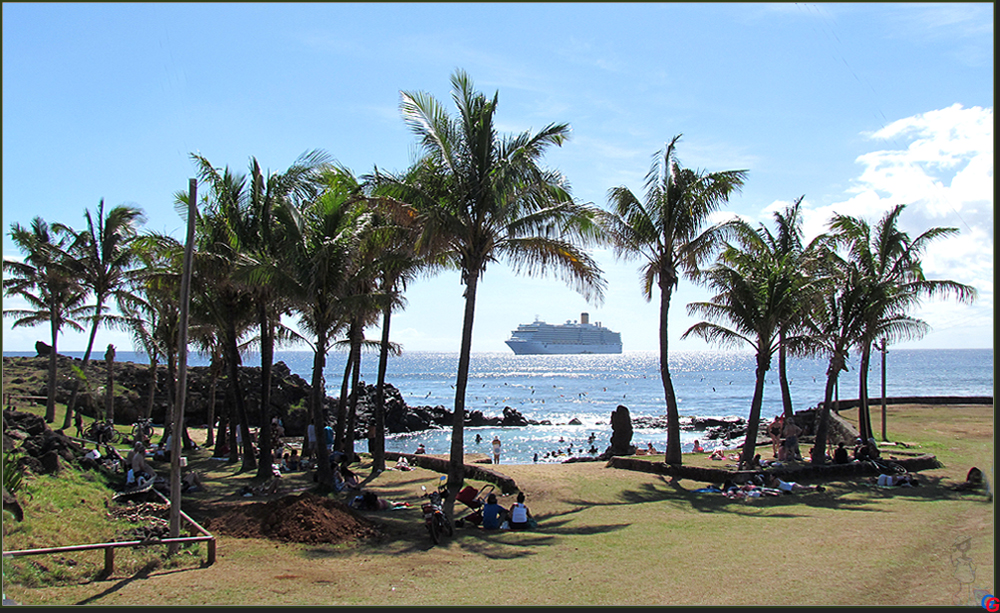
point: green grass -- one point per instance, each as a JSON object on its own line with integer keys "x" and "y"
{"x": 69, "y": 508}
{"x": 607, "y": 537}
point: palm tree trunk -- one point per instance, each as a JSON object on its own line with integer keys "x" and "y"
{"x": 153, "y": 367}
{"x": 264, "y": 468}
{"x": 823, "y": 425}
{"x": 83, "y": 369}
{"x": 231, "y": 423}
{"x": 213, "y": 385}
{"x": 353, "y": 401}
{"x": 323, "y": 473}
{"x": 672, "y": 454}
{"x": 341, "y": 424}
{"x": 753, "y": 423}
{"x": 456, "y": 458}
{"x": 109, "y": 391}
{"x": 222, "y": 435}
{"x": 249, "y": 461}
{"x": 786, "y": 392}
{"x": 377, "y": 443}
{"x": 864, "y": 416}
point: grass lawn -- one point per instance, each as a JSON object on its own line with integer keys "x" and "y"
{"x": 608, "y": 537}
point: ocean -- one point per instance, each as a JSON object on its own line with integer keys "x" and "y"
{"x": 585, "y": 389}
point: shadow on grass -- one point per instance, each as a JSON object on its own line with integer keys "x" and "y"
{"x": 857, "y": 495}
{"x": 142, "y": 573}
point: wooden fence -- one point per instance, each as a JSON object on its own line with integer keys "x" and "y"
{"x": 109, "y": 548}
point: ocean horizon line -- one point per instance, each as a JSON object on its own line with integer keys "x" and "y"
{"x": 97, "y": 353}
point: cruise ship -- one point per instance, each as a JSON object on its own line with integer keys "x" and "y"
{"x": 540, "y": 338}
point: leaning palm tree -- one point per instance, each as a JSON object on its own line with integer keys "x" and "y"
{"x": 665, "y": 229}
{"x": 106, "y": 259}
{"x": 490, "y": 199}
{"x": 756, "y": 293}
{"x": 833, "y": 325}
{"x": 47, "y": 283}
{"x": 889, "y": 261}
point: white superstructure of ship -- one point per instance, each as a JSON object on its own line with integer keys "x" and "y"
{"x": 539, "y": 338}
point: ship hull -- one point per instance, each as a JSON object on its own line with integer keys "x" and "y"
{"x": 539, "y": 348}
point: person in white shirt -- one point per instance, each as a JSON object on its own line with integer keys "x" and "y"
{"x": 520, "y": 516}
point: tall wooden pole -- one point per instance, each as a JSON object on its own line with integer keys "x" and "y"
{"x": 182, "y": 343}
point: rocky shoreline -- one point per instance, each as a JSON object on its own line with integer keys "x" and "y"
{"x": 26, "y": 377}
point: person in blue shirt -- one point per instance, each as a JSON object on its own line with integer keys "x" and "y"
{"x": 493, "y": 513}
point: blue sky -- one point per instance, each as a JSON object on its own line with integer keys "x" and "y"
{"x": 857, "y": 107}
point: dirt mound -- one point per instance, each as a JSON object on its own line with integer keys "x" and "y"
{"x": 303, "y": 518}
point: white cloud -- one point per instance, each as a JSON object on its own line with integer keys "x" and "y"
{"x": 945, "y": 177}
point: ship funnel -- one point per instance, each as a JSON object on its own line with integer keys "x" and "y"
{"x": 585, "y": 318}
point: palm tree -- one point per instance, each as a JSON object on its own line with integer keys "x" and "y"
{"x": 314, "y": 262}
{"x": 46, "y": 282}
{"x": 788, "y": 241}
{"x": 894, "y": 280}
{"x": 394, "y": 233}
{"x": 223, "y": 297}
{"x": 490, "y": 199}
{"x": 757, "y": 292}
{"x": 106, "y": 259}
{"x": 833, "y": 326}
{"x": 665, "y": 230}
{"x": 154, "y": 320}
{"x": 300, "y": 181}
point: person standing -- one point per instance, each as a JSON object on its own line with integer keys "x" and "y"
{"x": 328, "y": 434}
{"x": 791, "y": 432}
{"x": 774, "y": 431}
{"x": 496, "y": 450}
{"x": 310, "y": 447}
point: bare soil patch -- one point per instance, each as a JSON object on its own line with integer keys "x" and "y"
{"x": 299, "y": 518}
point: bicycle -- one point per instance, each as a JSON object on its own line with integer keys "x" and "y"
{"x": 102, "y": 432}
{"x": 143, "y": 430}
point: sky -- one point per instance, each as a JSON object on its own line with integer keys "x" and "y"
{"x": 855, "y": 107}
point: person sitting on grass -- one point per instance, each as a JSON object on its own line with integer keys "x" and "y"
{"x": 493, "y": 514}
{"x": 697, "y": 447}
{"x": 861, "y": 452}
{"x": 343, "y": 478}
{"x": 520, "y": 516}
{"x": 840, "y": 455}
